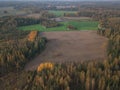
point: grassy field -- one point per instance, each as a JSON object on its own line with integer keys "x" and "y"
{"x": 80, "y": 25}
{"x": 60, "y": 13}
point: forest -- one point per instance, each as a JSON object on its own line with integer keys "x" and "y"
{"x": 19, "y": 47}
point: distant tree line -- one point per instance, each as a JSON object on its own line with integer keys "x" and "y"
{"x": 27, "y": 21}
{"x": 96, "y": 14}
{"x": 50, "y": 23}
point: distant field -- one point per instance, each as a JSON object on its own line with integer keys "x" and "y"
{"x": 10, "y": 11}
{"x": 80, "y": 25}
{"x": 60, "y": 13}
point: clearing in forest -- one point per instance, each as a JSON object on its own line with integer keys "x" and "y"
{"x": 72, "y": 46}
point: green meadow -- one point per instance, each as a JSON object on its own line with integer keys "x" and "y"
{"x": 80, "y": 25}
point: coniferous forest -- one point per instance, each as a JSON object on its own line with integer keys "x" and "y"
{"x": 19, "y": 47}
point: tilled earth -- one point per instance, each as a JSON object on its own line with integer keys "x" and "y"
{"x": 70, "y": 46}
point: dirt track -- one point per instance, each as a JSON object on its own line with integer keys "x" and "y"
{"x": 70, "y": 46}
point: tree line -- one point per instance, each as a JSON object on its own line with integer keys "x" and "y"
{"x": 110, "y": 27}
{"x": 94, "y": 13}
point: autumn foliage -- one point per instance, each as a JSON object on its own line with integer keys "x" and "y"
{"x": 32, "y": 35}
{"x": 46, "y": 65}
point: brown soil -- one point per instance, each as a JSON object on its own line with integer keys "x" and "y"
{"x": 69, "y": 46}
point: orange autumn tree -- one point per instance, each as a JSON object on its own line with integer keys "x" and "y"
{"x": 46, "y": 65}
{"x": 32, "y": 35}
